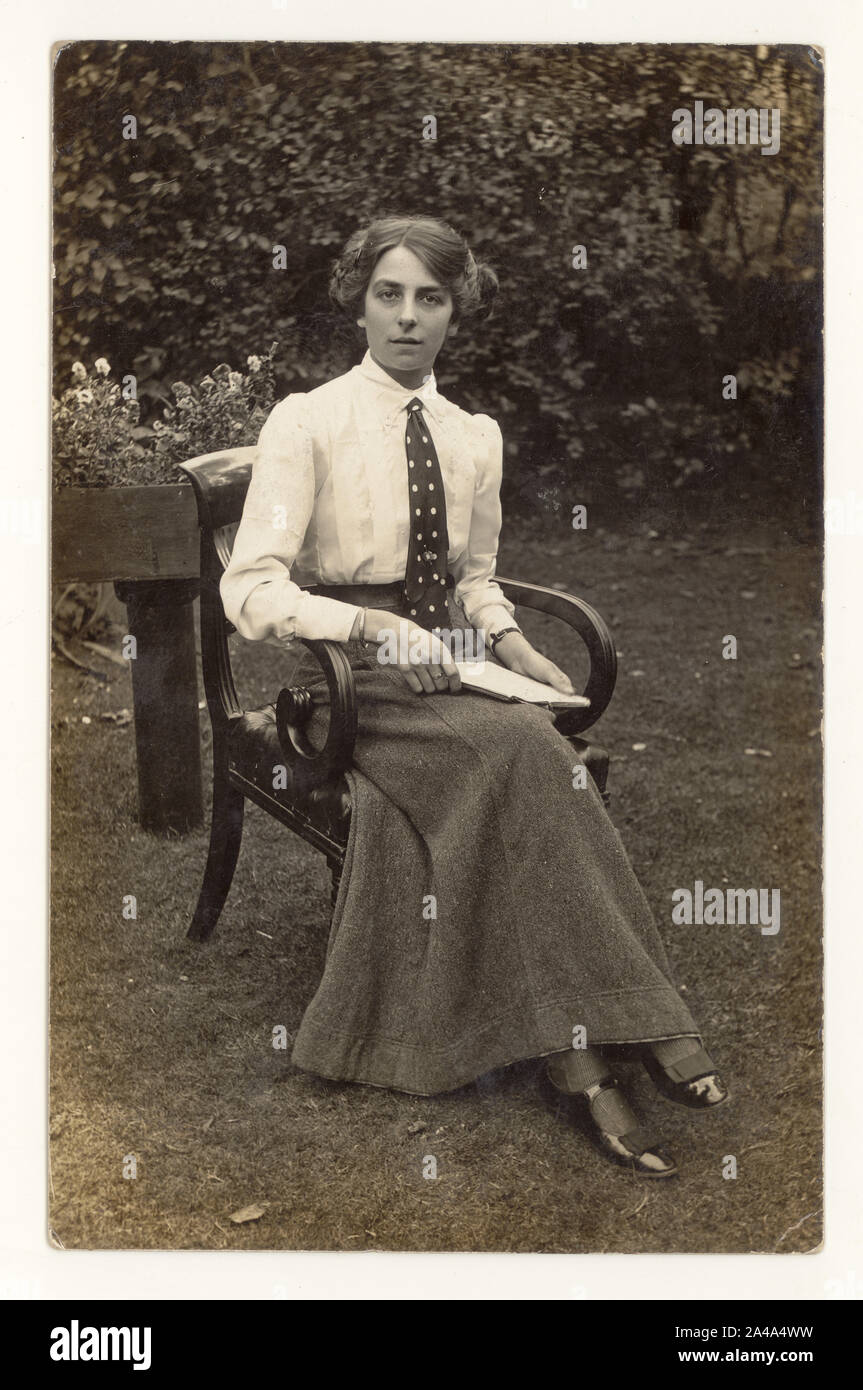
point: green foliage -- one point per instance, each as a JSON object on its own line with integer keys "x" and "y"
{"x": 99, "y": 443}
{"x": 697, "y": 257}
{"x": 226, "y": 410}
{"x": 96, "y": 435}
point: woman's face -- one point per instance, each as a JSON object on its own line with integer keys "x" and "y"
{"x": 406, "y": 316}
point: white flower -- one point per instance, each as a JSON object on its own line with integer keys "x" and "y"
{"x": 79, "y": 371}
{"x": 253, "y": 363}
{"x": 102, "y": 365}
{"x": 235, "y": 381}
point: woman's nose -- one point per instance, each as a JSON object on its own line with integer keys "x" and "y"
{"x": 408, "y": 314}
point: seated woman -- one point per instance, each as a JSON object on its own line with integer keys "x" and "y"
{"x": 488, "y": 912}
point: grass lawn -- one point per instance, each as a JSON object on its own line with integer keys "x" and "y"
{"x": 162, "y": 1049}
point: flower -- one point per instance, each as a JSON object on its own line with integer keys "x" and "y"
{"x": 101, "y": 441}
{"x": 253, "y": 364}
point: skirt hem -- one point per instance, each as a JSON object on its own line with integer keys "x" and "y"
{"x": 390, "y": 1063}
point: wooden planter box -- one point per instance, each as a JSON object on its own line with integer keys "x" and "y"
{"x": 132, "y": 533}
{"x": 146, "y": 541}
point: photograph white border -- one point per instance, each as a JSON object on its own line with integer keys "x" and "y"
{"x": 29, "y": 1266}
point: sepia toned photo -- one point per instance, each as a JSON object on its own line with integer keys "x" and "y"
{"x": 436, "y": 632}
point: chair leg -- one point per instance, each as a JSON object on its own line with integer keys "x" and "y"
{"x": 226, "y": 832}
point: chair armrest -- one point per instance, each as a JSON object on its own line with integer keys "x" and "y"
{"x": 593, "y": 632}
{"x": 313, "y": 767}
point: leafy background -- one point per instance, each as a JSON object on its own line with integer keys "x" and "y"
{"x": 701, "y": 260}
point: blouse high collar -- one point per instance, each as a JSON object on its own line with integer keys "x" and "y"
{"x": 392, "y": 397}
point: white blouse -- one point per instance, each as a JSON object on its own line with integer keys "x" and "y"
{"x": 328, "y": 503}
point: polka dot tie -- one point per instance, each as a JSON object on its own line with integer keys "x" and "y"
{"x": 425, "y": 573}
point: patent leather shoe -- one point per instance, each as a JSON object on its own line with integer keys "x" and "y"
{"x": 692, "y": 1081}
{"x": 637, "y": 1149}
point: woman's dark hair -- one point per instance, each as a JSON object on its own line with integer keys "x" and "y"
{"x": 449, "y": 259}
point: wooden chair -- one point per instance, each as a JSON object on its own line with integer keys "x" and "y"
{"x": 248, "y": 744}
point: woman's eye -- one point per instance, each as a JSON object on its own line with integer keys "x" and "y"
{"x": 390, "y": 295}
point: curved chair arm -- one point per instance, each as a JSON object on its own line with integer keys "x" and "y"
{"x": 313, "y": 767}
{"x": 593, "y": 632}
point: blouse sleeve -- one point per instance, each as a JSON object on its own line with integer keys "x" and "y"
{"x": 260, "y": 598}
{"x": 481, "y": 598}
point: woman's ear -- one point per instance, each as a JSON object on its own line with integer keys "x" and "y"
{"x": 361, "y": 322}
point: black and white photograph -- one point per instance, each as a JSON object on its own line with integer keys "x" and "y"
{"x": 437, "y": 519}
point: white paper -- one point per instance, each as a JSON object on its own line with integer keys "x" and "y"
{"x": 498, "y": 680}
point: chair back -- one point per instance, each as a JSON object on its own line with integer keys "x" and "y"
{"x": 220, "y": 482}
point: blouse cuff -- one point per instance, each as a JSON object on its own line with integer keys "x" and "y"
{"x": 492, "y": 617}
{"x": 319, "y": 618}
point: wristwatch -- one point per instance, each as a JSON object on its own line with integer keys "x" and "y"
{"x": 494, "y": 637}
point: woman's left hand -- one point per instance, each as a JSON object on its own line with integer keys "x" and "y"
{"x": 515, "y": 651}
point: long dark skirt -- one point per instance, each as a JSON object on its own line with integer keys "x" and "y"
{"x": 487, "y": 907}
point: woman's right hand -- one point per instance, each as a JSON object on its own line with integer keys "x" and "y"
{"x": 423, "y": 658}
